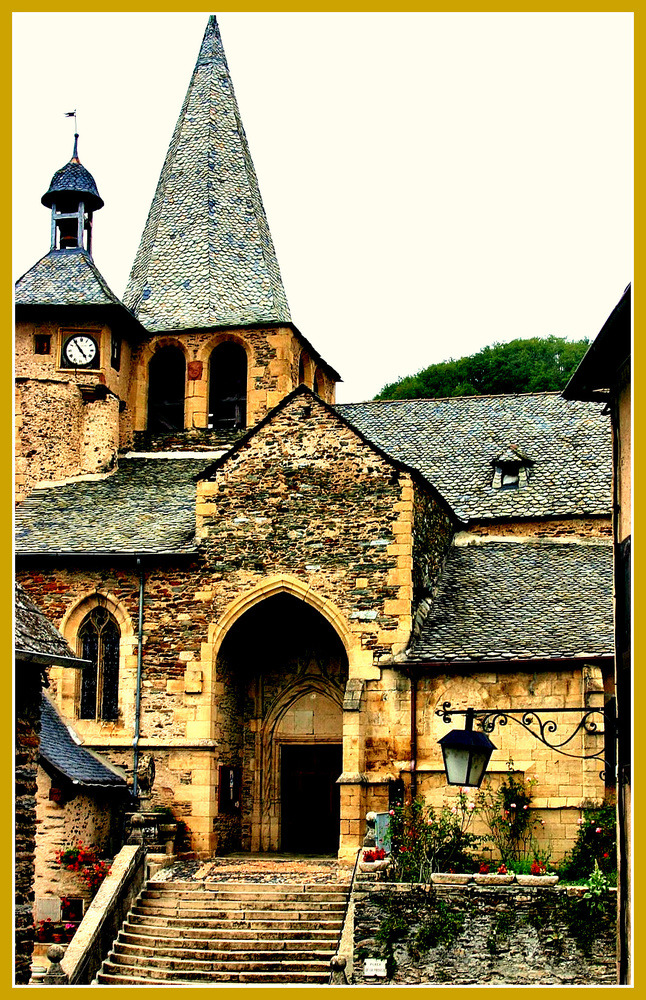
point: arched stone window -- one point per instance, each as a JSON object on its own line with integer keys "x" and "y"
{"x": 228, "y": 386}
{"x": 98, "y": 641}
{"x": 166, "y": 389}
{"x": 319, "y": 383}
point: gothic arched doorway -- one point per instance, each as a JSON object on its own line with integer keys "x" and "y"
{"x": 166, "y": 389}
{"x": 282, "y": 670}
{"x": 228, "y": 386}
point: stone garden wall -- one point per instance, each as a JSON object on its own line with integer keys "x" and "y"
{"x": 484, "y": 935}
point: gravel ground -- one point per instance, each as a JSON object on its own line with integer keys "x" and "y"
{"x": 258, "y": 868}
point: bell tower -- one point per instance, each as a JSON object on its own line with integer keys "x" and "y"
{"x": 73, "y": 198}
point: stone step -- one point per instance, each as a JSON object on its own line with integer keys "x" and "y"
{"x": 287, "y": 978}
{"x": 229, "y": 894}
{"x": 252, "y": 920}
{"x": 220, "y": 951}
{"x": 293, "y": 971}
{"x": 192, "y": 966}
{"x": 222, "y": 934}
{"x": 241, "y": 911}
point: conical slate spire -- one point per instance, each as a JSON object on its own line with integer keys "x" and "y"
{"x": 206, "y": 257}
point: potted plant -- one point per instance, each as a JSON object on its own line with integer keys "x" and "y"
{"x": 538, "y": 875}
{"x": 69, "y": 931}
{"x": 450, "y": 877}
{"x": 373, "y": 859}
{"x": 44, "y": 930}
{"x": 58, "y": 933}
{"x": 501, "y": 875}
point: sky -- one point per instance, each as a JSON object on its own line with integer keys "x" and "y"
{"x": 434, "y": 183}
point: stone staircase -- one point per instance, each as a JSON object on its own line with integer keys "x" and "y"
{"x": 228, "y": 932}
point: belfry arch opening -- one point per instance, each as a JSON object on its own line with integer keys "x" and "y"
{"x": 282, "y": 670}
{"x": 228, "y": 386}
{"x": 166, "y": 389}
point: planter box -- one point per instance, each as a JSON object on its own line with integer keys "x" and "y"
{"x": 494, "y": 879}
{"x": 373, "y": 866}
{"x": 449, "y": 878}
{"x": 537, "y": 880}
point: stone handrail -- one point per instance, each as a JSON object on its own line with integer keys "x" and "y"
{"x": 105, "y": 915}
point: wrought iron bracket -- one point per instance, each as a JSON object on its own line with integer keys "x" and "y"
{"x": 543, "y": 729}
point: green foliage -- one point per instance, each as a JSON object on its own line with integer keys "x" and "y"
{"x": 425, "y": 840}
{"x": 501, "y": 930}
{"x": 596, "y": 843}
{"x": 441, "y": 927}
{"x": 592, "y": 915}
{"x": 538, "y": 364}
{"x": 506, "y": 810}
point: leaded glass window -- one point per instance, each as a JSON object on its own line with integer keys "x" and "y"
{"x": 99, "y": 642}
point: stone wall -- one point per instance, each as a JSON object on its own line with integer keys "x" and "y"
{"x": 27, "y": 687}
{"x": 578, "y": 527}
{"x": 481, "y": 935}
{"x": 95, "y": 819}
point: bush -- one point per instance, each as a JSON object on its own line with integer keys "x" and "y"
{"x": 596, "y": 843}
{"x": 425, "y": 840}
{"x": 512, "y": 825}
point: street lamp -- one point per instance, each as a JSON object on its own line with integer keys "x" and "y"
{"x": 466, "y": 753}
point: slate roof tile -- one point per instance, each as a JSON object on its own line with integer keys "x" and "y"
{"x": 33, "y": 631}
{"x": 518, "y": 600}
{"x": 59, "y": 750}
{"x": 147, "y": 506}
{"x": 64, "y": 278}
{"x": 206, "y": 256}
{"x": 453, "y": 443}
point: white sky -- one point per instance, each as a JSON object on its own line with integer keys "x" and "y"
{"x": 433, "y": 182}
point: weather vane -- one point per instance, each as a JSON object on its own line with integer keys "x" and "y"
{"x": 72, "y": 114}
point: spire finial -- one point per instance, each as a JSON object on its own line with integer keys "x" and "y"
{"x": 75, "y": 154}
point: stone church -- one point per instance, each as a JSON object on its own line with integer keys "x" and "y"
{"x": 278, "y": 593}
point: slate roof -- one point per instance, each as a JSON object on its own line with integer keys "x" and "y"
{"x": 453, "y": 442}
{"x": 65, "y": 278}
{"x": 206, "y": 256}
{"x": 74, "y": 177}
{"x": 520, "y": 600}
{"x": 146, "y": 506}
{"x": 609, "y": 352}
{"x": 59, "y": 751}
{"x": 35, "y": 637}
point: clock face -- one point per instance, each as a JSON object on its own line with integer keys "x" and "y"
{"x": 80, "y": 351}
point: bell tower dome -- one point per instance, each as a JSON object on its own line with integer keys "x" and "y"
{"x": 73, "y": 198}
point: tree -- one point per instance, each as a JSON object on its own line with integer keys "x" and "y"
{"x": 539, "y": 364}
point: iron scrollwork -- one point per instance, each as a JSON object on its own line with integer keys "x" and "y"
{"x": 533, "y": 721}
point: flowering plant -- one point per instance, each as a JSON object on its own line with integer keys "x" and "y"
{"x": 483, "y": 869}
{"x": 425, "y": 840}
{"x": 502, "y": 869}
{"x": 377, "y": 855}
{"x": 507, "y": 812}
{"x": 84, "y": 862}
{"x": 537, "y": 868}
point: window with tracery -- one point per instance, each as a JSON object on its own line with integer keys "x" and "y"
{"x": 98, "y": 639}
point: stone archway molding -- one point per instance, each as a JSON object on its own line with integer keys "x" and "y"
{"x": 360, "y": 661}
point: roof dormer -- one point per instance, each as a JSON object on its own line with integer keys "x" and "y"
{"x": 512, "y": 469}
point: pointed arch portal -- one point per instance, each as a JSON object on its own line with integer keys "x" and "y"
{"x": 282, "y": 669}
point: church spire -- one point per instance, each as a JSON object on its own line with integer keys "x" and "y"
{"x": 206, "y": 257}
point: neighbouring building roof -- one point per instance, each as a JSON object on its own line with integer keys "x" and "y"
{"x": 36, "y": 639}
{"x": 608, "y": 354}
{"x": 65, "y": 278}
{"x": 454, "y": 442}
{"x": 518, "y": 600}
{"x": 60, "y": 753}
{"x": 146, "y": 506}
{"x": 206, "y": 256}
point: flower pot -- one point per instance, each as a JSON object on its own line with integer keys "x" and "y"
{"x": 373, "y": 866}
{"x": 450, "y": 878}
{"x": 537, "y": 880}
{"x": 494, "y": 879}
